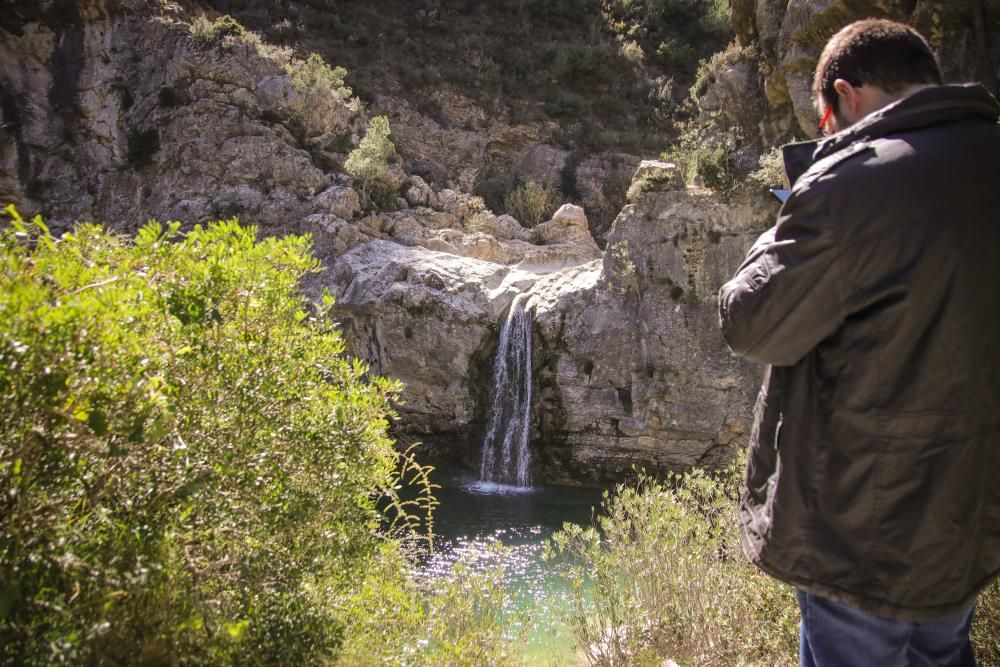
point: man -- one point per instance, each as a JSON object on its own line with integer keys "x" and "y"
{"x": 872, "y": 480}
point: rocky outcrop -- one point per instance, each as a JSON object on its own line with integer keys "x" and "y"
{"x": 148, "y": 122}
{"x": 112, "y": 111}
{"x": 121, "y": 115}
{"x": 429, "y": 317}
{"x": 463, "y": 147}
{"x": 791, "y": 34}
{"x": 633, "y": 372}
{"x": 629, "y": 369}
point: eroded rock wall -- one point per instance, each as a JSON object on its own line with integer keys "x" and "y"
{"x": 114, "y": 112}
{"x": 117, "y": 114}
{"x": 790, "y": 35}
{"x": 629, "y": 367}
{"x": 634, "y": 372}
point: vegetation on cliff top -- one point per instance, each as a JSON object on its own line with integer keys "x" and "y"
{"x": 610, "y": 72}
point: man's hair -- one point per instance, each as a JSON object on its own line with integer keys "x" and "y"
{"x": 878, "y": 52}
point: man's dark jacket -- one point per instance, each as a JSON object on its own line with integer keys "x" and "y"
{"x": 874, "y": 472}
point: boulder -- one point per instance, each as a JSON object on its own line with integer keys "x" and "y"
{"x": 418, "y": 193}
{"x": 331, "y": 235}
{"x": 338, "y": 200}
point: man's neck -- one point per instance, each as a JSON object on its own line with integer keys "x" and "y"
{"x": 877, "y": 98}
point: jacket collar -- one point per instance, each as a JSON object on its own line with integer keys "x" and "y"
{"x": 928, "y": 106}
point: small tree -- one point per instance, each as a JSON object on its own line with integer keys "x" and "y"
{"x": 369, "y": 162}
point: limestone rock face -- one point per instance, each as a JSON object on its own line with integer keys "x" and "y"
{"x": 629, "y": 368}
{"x": 339, "y": 200}
{"x": 462, "y": 147}
{"x": 147, "y": 122}
{"x": 602, "y": 181}
{"x": 791, "y": 34}
{"x": 633, "y": 371}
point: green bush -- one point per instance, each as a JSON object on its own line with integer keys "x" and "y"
{"x": 676, "y": 32}
{"x": 531, "y": 203}
{"x": 314, "y": 76}
{"x": 667, "y": 580}
{"x": 713, "y": 167}
{"x": 369, "y": 162}
{"x": 770, "y": 172}
{"x": 212, "y": 32}
{"x": 704, "y": 162}
{"x": 661, "y": 576}
{"x": 189, "y": 467}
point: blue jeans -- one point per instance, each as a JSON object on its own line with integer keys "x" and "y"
{"x": 835, "y": 635}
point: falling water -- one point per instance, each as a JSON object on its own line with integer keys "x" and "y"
{"x": 506, "y": 457}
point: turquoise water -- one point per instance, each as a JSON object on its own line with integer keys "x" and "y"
{"x": 474, "y": 516}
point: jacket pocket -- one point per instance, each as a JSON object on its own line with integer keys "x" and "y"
{"x": 757, "y": 274}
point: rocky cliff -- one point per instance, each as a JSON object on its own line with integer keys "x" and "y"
{"x": 113, "y": 110}
{"x": 628, "y": 365}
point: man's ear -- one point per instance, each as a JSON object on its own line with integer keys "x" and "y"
{"x": 849, "y": 98}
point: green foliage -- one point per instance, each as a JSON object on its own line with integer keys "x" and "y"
{"x": 314, "y": 76}
{"x": 675, "y": 32}
{"x": 667, "y": 579}
{"x": 188, "y": 463}
{"x": 531, "y": 203}
{"x": 704, "y": 161}
{"x": 770, "y": 172}
{"x": 507, "y": 55}
{"x": 462, "y": 622}
{"x": 213, "y": 32}
{"x": 369, "y": 162}
{"x": 653, "y": 179}
{"x": 713, "y": 167}
{"x": 710, "y": 68}
{"x": 985, "y": 631}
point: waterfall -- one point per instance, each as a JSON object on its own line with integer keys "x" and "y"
{"x": 506, "y": 456}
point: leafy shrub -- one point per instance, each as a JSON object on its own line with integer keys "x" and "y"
{"x": 709, "y": 69}
{"x": 770, "y": 172}
{"x": 314, "y": 76}
{"x": 713, "y": 167}
{"x": 632, "y": 52}
{"x": 531, "y": 203}
{"x": 369, "y": 162}
{"x": 675, "y": 31}
{"x": 212, "y": 32}
{"x": 705, "y": 162}
{"x": 668, "y": 581}
{"x": 650, "y": 181}
{"x": 188, "y": 464}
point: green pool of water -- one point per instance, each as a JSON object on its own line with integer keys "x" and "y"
{"x": 475, "y": 516}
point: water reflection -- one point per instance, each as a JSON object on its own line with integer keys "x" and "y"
{"x": 474, "y": 517}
